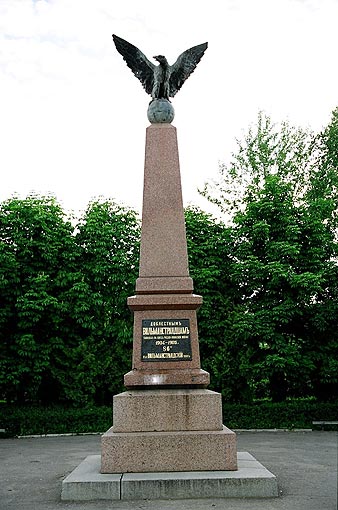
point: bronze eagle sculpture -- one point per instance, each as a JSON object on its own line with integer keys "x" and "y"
{"x": 160, "y": 81}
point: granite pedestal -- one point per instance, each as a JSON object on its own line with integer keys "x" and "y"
{"x": 168, "y": 430}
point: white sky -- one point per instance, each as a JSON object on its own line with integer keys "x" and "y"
{"x": 73, "y": 116}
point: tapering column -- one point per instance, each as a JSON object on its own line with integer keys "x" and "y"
{"x": 165, "y": 346}
{"x": 163, "y": 255}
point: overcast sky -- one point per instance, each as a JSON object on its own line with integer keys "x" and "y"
{"x": 73, "y": 117}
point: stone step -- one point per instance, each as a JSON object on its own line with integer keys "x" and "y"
{"x": 167, "y": 410}
{"x": 138, "y": 452}
{"x": 251, "y": 480}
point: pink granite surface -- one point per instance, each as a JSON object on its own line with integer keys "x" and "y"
{"x": 164, "y": 285}
{"x": 143, "y": 452}
{"x": 163, "y": 241}
{"x": 165, "y": 301}
{"x": 167, "y": 410}
{"x": 151, "y": 378}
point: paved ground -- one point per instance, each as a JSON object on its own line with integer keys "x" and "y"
{"x": 305, "y": 463}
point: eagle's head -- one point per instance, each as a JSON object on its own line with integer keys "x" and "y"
{"x": 161, "y": 59}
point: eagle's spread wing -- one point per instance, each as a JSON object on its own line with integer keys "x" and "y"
{"x": 142, "y": 68}
{"x": 184, "y": 66}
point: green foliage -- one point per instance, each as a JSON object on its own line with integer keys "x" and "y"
{"x": 34, "y": 420}
{"x": 108, "y": 237}
{"x": 65, "y": 330}
{"x": 283, "y": 184}
{"x": 285, "y": 415}
{"x": 35, "y": 242}
{"x": 265, "y": 150}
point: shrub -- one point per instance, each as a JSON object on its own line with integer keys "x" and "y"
{"x": 29, "y": 420}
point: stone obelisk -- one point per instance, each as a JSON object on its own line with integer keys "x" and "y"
{"x": 167, "y": 420}
{"x": 167, "y": 425}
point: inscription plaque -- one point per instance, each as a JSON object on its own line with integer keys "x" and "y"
{"x": 166, "y": 340}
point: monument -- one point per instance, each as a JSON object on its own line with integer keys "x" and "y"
{"x": 167, "y": 438}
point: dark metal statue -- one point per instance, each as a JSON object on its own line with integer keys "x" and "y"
{"x": 160, "y": 81}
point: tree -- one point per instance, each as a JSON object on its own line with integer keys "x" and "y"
{"x": 322, "y": 199}
{"x": 65, "y": 330}
{"x": 276, "y": 289}
{"x": 36, "y": 244}
{"x": 108, "y": 240}
{"x": 283, "y": 215}
{"x": 266, "y": 149}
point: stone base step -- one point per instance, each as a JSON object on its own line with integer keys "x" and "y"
{"x": 251, "y": 480}
{"x": 187, "y": 450}
{"x": 167, "y": 410}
